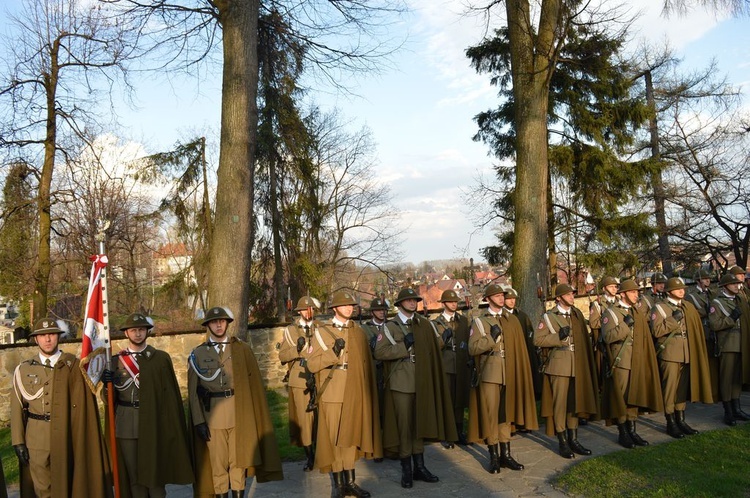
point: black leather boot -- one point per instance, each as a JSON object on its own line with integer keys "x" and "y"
{"x": 575, "y": 445}
{"x": 338, "y": 488}
{"x": 679, "y": 419}
{"x": 623, "y": 437}
{"x": 672, "y": 428}
{"x": 223, "y": 495}
{"x": 310, "y": 454}
{"x": 728, "y": 414}
{"x": 565, "y": 450}
{"x": 406, "y": 475}
{"x": 238, "y": 494}
{"x": 637, "y": 439}
{"x": 737, "y": 411}
{"x": 461, "y": 435}
{"x": 506, "y": 460}
{"x": 494, "y": 462}
{"x": 420, "y": 471}
{"x": 351, "y": 488}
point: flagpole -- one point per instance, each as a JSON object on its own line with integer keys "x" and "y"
{"x": 100, "y": 237}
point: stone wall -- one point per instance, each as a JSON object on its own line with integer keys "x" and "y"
{"x": 262, "y": 340}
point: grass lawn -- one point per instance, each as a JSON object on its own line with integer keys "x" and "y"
{"x": 709, "y": 464}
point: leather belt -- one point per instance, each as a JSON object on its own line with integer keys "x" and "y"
{"x": 46, "y": 417}
{"x": 500, "y": 353}
{"x": 571, "y": 347}
{"x": 133, "y": 404}
{"x": 221, "y": 394}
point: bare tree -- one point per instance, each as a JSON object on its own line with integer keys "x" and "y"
{"x": 63, "y": 54}
{"x": 193, "y": 29}
{"x": 681, "y": 7}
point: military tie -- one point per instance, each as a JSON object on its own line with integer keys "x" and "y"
{"x": 221, "y": 350}
{"x": 408, "y": 322}
{"x": 48, "y": 364}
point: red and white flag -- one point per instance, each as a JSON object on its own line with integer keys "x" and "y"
{"x": 95, "y": 324}
{"x": 95, "y": 333}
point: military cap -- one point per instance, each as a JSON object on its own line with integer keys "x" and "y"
{"x": 449, "y": 296}
{"x": 493, "y": 289}
{"x": 658, "y": 278}
{"x": 218, "y": 313}
{"x": 307, "y": 302}
{"x": 563, "y": 289}
{"x": 46, "y": 326}
{"x": 729, "y": 278}
{"x": 608, "y": 281}
{"x": 736, "y": 270}
{"x": 510, "y": 292}
{"x": 379, "y": 304}
{"x": 701, "y": 274}
{"x": 342, "y": 298}
{"x": 628, "y": 285}
{"x": 407, "y": 293}
{"x": 674, "y": 283}
{"x": 136, "y": 321}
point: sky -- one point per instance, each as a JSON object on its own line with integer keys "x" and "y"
{"x": 420, "y": 112}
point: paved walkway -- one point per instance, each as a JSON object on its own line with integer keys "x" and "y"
{"x": 462, "y": 470}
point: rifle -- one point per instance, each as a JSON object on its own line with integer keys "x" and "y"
{"x": 310, "y": 387}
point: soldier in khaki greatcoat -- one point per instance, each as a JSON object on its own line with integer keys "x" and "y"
{"x": 297, "y": 337}
{"x": 229, "y": 413}
{"x": 681, "y": 350}
{"x": 453, "y": 328}
{"x": 417, "y": 401}
{"x": 631, "y": 380}
{"x": 505, "y": 393}
{"x": 45, "y": 427}
{"x": 570, "y": 387}
{"x": 348, "y": 414}
{"x": 150, "y": 420}
{"x": 728, "y": 318}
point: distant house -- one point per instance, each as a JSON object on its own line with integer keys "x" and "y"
{"x": 169, "y": 260}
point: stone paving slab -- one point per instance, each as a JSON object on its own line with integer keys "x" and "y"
{"x": 462, "y": 470}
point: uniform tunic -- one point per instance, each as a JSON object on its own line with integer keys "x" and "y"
{"x": 348, "y": 420}
{"x": 681, "y": 351}
{"x": 634, "y": 382}
{"x": 455, "y": 358}
{"x": 729, "y": 341}
{"x": 60, "y": 397}
{"x": 415, "y": 384}
{"x": 570, "y": 386}
{"x": 300, "y": 420}
{"x": 150, "y": 425}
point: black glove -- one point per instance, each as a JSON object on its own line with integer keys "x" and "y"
{"x": 736, "y": 313}
{"x": 22, "y": 452}
{"x": 203, "y": 432}
{"x": 300, "y": 344}
{"x": 447, "y": 335}
{"x": 373, "y": 342}
{"x": 338, "y": 346}
{"x": 678, "y": 315}
{"x": 629, "y": 321}
{"x": 564, "y": 332}
{"x": 495, "y": 332}
{"x": 108, "y": 376}
{"x": 409, "y": 340}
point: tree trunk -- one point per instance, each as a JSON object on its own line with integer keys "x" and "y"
{"x": 532, "y": 62}
{"x": 278, "y": 267}
{"x": 657, "y": 183}
{"x": 44, "y": 205}
{"x": 229, "y": 267}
